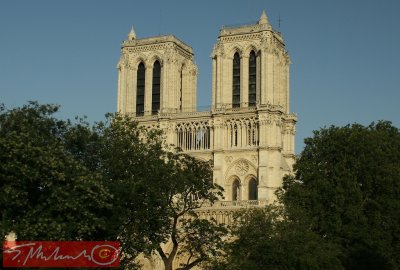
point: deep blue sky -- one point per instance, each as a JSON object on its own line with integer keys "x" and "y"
{"x": 345, "y": 54}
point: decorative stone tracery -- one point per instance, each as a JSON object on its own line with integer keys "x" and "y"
{"x": 251, "y": 142}
{"x": 242, "y": 168}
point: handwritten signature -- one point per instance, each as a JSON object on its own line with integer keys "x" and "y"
{"x": 36, "y": 252}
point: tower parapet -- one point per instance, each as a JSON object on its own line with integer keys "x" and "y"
{"x": 250, "y": 67}
{"x": 249, "y": 132}
{"x": 156, "y": 75}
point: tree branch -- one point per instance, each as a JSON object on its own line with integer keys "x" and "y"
{"x": 191, "y": 265}
{"x": 162, "y": 254}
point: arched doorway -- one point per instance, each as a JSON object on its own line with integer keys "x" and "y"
{"x": 236, "y": 190}
{"x": 253, "y": 189}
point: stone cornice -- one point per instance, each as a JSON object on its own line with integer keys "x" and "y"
{"x": 158, "y": 40}
{"x": 244, "y": 29}
{"x": 248, "y": 32}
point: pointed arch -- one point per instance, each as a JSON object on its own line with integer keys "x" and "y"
{"x": 231, "y": 170}
{"x": 236, "y": 80}
{"x": 155, "y": 90}
{"x": 140, "y": 58}
{"x": 153, "y": 59}
{"x": 249, "y": 48}
{"x": 236, "y": 189}
{"x": 236, "y": 49}
{"x": 140, "y": 88}
{"x": 253, "y": 189}
{"x": 182, "y": 75}
{"x": 252, "y": 78}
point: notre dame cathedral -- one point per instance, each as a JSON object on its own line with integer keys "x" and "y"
{"x": 249, "y": 131}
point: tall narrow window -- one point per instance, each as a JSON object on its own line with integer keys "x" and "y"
{"x": 140, "y": 89}
{"x": 252, "y": 79}
{"x": 236, "y": 81}
{"x": 253, "y": 192}
{"x": 236, "y": 190}
{"x": 155, "y": 97}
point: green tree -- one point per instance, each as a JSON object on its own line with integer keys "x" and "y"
{"x": 45, "y": 192}
{"x": 110, "y": 181}
{"x": 265, "y": 238}
{"x": 341, "y": 209}
{"x": 347, "y": 184}
{"x": 189, "y": 186}
{"x": 130, "y": 160}
{"x": 155, "y": 189}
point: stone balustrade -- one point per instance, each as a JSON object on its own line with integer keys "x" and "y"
{"x": 222, "y": 211}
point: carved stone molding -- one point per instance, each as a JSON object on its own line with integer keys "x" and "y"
{"x": 228, "y": 159}
{"x": 242, "y": 168}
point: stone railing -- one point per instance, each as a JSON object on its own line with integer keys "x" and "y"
{"x": 234, "y": 204}
{"x": 222, "y": 211}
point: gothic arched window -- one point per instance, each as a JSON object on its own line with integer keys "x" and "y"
{"x": 140, "y": 84}
{"x": 236, "y": 81}
{"x": 253, "y": 189}
{"x": 155, "y": 97}
{"x": 236, "y": 190}
{"x": 252, "y": 79}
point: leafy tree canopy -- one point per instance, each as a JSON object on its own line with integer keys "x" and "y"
{"x": 113, "y": 180}
{"x": 45, "y": 192}
{"x": 341, "y": 209}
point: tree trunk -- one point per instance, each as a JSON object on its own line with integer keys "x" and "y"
{"x": 168, "y": 265}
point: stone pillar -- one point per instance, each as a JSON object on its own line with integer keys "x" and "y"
{"x": 269, "y": 78}
{"x": 119, "y": 103}
{"x": 265, "y": 69}
{"x": 131, "y": 90}
{"x": 220, "y": 90}
{"x": 164, "y": 87}
{"x": 124, "y": 89}
{"x": 287, "y": 88}
{"x": 259, "y": 72}
{"x": 193, "y": 88}
{"x": 227, "y": 65}
{"x": 214, "y": 80}
{"x": 263, "y": 175}
{"x": 148, "y": 89}
{"x": 244, "y": 81}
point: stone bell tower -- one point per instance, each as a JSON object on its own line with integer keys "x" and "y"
{"x": 249, "y": 133}
{"x": 250, "y": 78}
{"x": 156, "y": 75}
{"x": 250, "y": 67}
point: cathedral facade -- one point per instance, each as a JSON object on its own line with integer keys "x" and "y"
{"x": 248, "y": 133}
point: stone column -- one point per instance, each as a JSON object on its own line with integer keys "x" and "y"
{"x": 219, "y": 89}
{"x": 269, "y": 78}
{"x": 287, "y": 88}
{"x": 214, "y": 79}
{"x": 123, "y": 89}
{"x": 193, "y": 88}
{"x": 264, "y": 75}
{"x": 119, "y": 103}
{"x": 164, "y": 87}
{"x": 131, "y": 90}
{"x": 161, "y": 85}
{"x": 244, "y": 81}
{"x": 227, "y": 80}
{"x": 185, "y": 90}
{"x": 148, "y": 89}
{"x": 259, "y": 72}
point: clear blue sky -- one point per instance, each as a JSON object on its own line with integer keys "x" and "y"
{"x": 345, "y": 54}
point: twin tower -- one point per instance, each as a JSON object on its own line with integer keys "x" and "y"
{"x": 249, "y": 131}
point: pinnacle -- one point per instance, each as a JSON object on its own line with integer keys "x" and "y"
{"x": 263, "y": 18}
{"x": 132, "y": 34}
